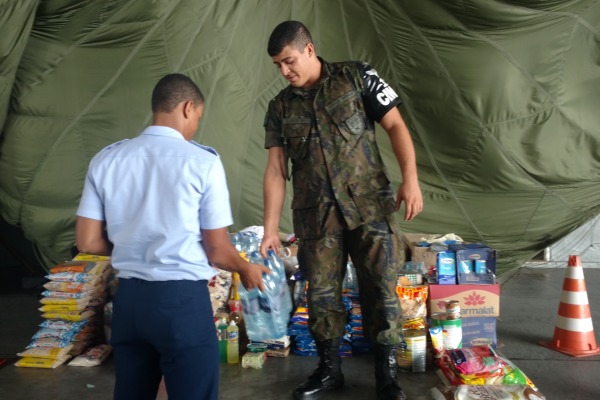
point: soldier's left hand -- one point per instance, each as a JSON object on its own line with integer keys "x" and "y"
{"x": 410, "y": 193}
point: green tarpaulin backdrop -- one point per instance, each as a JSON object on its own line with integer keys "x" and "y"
{"x": 502, "y": 99}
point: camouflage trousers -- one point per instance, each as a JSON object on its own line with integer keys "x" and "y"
{"x": 377, "y": 253}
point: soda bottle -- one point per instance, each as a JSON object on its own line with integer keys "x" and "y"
{"x": 235, "y": 303}
{"x": 235, "y": 314}
{"x": 222, "y": 336}
{"x": 233, "y": 345}
{"x": 235, "y": 311}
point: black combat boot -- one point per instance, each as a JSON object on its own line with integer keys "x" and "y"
{"x": 327, "y": 376}
{"x": 385, "y": 374}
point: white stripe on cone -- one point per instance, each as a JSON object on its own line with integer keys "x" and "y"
{"x": 576, "y": 298}
{"x": 575, "y": 324}
{"x": 574, "y": 272}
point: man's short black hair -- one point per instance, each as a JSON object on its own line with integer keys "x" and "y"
{"x": 288, "y": 33}
{"x": 171, "y": 90}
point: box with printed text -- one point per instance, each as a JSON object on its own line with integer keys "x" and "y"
{"x": 478, "y": 331}
{"x": 474, "y": 300}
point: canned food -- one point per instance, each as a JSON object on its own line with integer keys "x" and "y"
{"x": 411, "y": 353}
{"x": 452, "y": 309}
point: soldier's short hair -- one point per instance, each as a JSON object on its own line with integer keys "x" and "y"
{"x": 288, "y": 33}
{"x": 171, "y": 90}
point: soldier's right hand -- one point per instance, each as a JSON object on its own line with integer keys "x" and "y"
{"x": 270, "y": 241}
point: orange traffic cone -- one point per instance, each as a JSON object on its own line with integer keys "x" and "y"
{"x": 574, "y": 331}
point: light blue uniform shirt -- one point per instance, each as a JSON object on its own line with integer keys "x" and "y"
{"x": 156, "y": 192}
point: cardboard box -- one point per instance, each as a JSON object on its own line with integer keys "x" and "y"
{"x": 417, "y": 253}
{"x": 412, "y": 237}
{"x": 478, "y": 255}
{"x": 479, "y": 331}
{"x": 474, "y": 300}
{"x": 476, "y": 279}
{"x": 422, "y": 254}
{"x": 445, "y": 280}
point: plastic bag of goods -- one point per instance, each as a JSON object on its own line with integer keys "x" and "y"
{"x": 478, "y": 392}
{"x": 92, "y": 356}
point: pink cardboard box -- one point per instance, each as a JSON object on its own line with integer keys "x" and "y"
{"x": 474, "y": 300}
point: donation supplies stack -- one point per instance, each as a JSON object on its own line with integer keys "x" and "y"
{"x": 72, "y": 306}
{"x": 451, "y": 287}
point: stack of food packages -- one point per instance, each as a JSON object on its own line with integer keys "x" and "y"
{"x": 72, "y": 307}
{"x": 411, "y": 353}
{"x": 275, "y": 347}
{"x": 481, "y": 366}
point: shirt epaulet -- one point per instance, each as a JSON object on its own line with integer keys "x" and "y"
{"x": 203, "y": 147}
{"x": 115, "y": 144}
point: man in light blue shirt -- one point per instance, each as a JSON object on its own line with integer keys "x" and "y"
{"x": 158, "y": 204}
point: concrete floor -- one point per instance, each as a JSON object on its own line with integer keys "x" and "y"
{"x": 529, "y": 303}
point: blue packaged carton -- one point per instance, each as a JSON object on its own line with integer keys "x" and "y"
{"x": 446, "y": 267}
{"x": 481, "y": 257}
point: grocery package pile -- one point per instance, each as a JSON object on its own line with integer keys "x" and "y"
{"x": 479, "y": 370}
{"x": 72, "y": 307}
{"x": 448, "y": 292}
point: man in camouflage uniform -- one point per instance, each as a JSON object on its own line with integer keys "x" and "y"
{"x": 343, "y": 202}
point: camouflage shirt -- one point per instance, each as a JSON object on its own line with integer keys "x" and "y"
{"x": 328, "y": 132}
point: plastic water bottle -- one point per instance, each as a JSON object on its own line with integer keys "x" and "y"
{"x": 245, "y": 242}
{"x": 350, "y": 280}
{"x": 252, "y": 242}
{"x": 267, "y": 313}
{"x": 233, "y": 343}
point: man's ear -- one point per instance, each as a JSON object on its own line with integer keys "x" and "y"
{"x": 310, "y": 48}
{"x": 188, "y": 107}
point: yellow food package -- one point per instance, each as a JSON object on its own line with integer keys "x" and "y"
{"x": 78, "y": 306}
{"x": 68, "y": 315}
{"x": 34, "y": 362}
{"x": 90, "y": 257}
{"x": 52, "y": 353}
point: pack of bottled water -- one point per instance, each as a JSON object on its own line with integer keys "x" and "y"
{"x": 267, "y": 314}
{"x": 245, "y": 242}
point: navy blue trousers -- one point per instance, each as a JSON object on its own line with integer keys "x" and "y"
{"x": 164, "y": 328}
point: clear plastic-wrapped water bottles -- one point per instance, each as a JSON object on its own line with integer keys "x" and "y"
{"x": 267, "y": 313}
{"x": 281, "y": 288}
{"x": 245, "y": 242}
